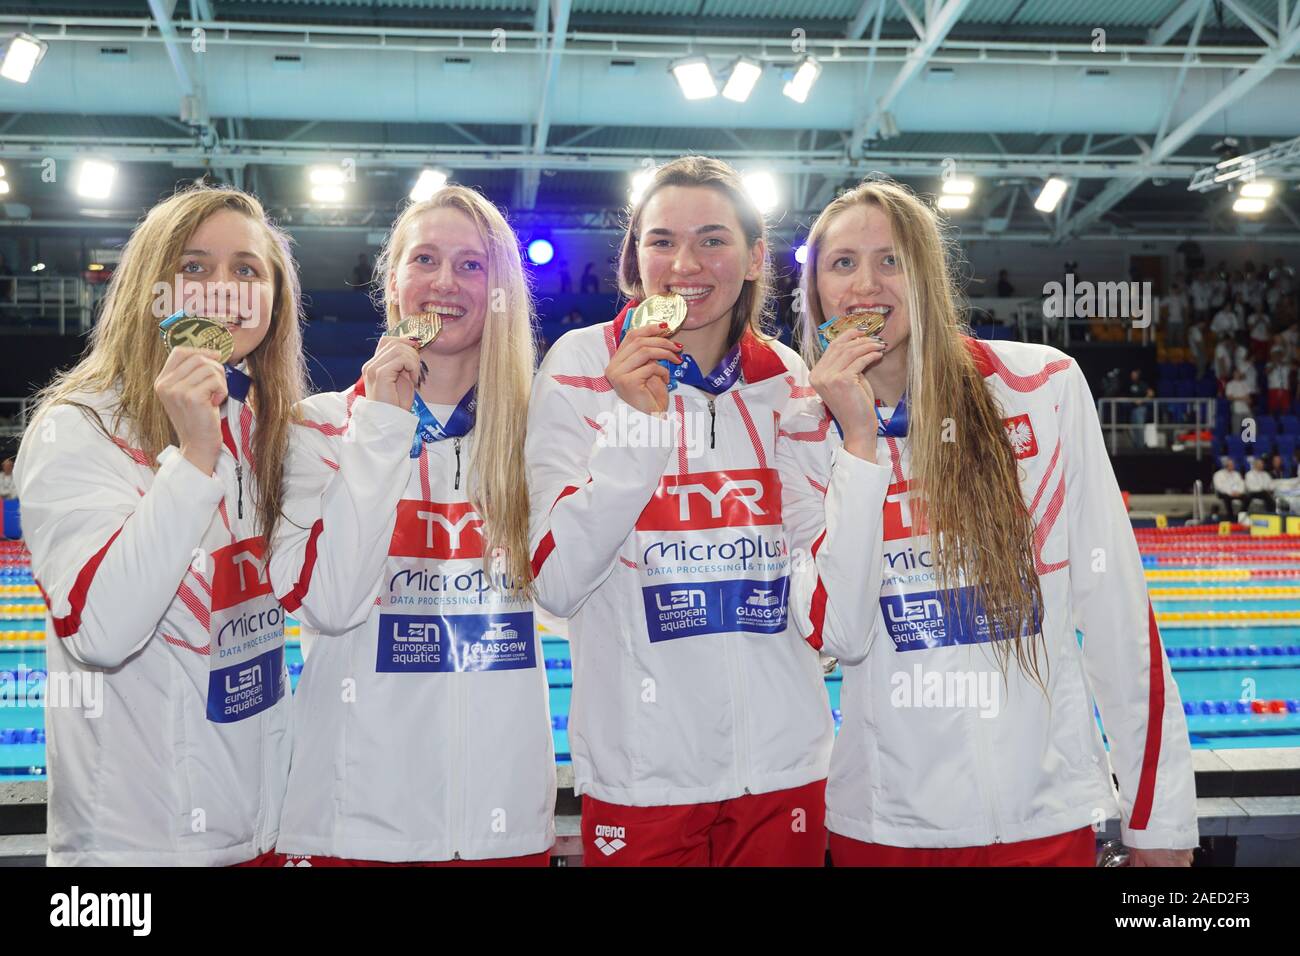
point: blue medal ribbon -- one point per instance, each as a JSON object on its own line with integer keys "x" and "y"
{"x": 715, "y": 383}
{"x": 896, "y": 427}
{"x": 430, "y": 429}
{"x": 237, "y": 383}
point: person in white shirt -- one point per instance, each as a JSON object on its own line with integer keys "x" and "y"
{"x": 1259, "y": 483}
{"x": 1290, "y": 340}
{"x": 7, "y": 487}
{"x": 1239, "y": 392}
{"x": 1196, "y": 345}
{"x": 1223, "y": 359}
{"x": 1261, "y": 333}
{"x": 1230, "y": 487}
{"x": 1279, "y": 382}
{"x": 1225, "y": 323}
{"x": 1175, "y": 316}
{"x": 1199, "y": 290}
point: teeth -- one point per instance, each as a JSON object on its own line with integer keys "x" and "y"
{"x": 451, "y": 310}
{"x": 687, "y": 292}
{"x": 872, "y": 310}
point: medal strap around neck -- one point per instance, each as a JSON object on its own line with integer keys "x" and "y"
{"x": 896, "y": 427}
{"x": 237, "y": 383}
{"x": 716, "y": 382}
{"x": 430, "y": 429}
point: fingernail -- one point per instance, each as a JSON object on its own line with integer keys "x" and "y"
{"x": 678, "y": 345}
{"x": 663, "y": 325}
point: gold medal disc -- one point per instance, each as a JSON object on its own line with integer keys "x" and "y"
{"x": 422, "y": 326}
{"x": 198, "y": 333}
{"x": 670, "y": 309}
{"x": 869, "y": 322}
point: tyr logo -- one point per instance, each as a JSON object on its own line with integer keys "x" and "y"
{"x": 714, "y": 499}
{"x": 428, "y": 529}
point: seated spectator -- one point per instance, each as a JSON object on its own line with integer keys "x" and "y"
{"x": 1225, "y": 323}
{"x": 1259, "y": 484}
{"x": 1278, "y": 469}
{"x": 1230, "y": 487}
{"x": 1005, "y": 289}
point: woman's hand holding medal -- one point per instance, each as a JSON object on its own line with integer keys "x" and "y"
{"x": 840, "y": 381}
{"x": 191, "y": 387}
{"x": 634, "y": 369}
{"x": 392, "y": 374}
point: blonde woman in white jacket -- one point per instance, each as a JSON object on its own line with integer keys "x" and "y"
{"x": 149, "y": 485}
{"x": 425, "y": 734}
{"x": 968, "y": 735}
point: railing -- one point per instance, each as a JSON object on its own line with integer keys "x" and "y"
{"x": 1029, "y": 316}
{"x": 14, "y": 414}
{"x": 1201, "y": 419}
{"x": 56, "y": 303}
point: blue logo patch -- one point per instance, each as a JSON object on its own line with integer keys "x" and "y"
{"x": 247, "y": 688}
{"x": 431, "y": 643}
{"x": 714, "y": 607}
{"x": 919, "y": 620}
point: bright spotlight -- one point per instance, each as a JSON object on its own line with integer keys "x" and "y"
{"x": 762, "y": 189}
{"x": 801, "y": 254}
{"x": 1051, "y": 194}
{"x": 95, "y": 179}
{"x": 805, "y": 75}
{"x": 540, "y": 252}
{"x": 744, "y": 74}
{"x": 430, "y": 181}
{"x": 954, "y": 202}
{"x": 640, "y": 183}
{"x": 21, "y": 55}
{"x": 694, "y": 77}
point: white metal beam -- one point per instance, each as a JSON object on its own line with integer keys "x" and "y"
{"x": 1117, "y": 189}
{"x": 935, "y": 33}
{"x": 161, "y": 11}
{"x": 1252, "y": 21}
{"x": 1173, "y": 23}
{"x": 912, "y": 19}
{"x": 542, "y": 128}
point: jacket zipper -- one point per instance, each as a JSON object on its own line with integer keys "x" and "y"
{"x": 989, "y": 788}
{"x": 456, "y": 444}
{"x": 713, "y": 420}
{"x": 239, "y": 484}
{"x": 457, "y": 777}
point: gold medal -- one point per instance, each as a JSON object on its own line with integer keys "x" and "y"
{"x": 670, "y": 309}
{"x": 198, "y": 333}
{"x": 869, "y": 322}
{"x": 422, "y": 326}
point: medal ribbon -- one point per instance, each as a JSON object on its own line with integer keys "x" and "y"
{"x": 430, "y": 429}
{"x": 715, "y": 383}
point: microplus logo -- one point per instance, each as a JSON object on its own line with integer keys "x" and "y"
{"x": 103, "y": 909}
{"x": 1098, "y": 300}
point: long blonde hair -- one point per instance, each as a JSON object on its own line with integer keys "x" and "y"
{"x": 751, "y": 308}
{"x": 498, "y": 484}
{"x": 967, "y": 491}
{"x": 127, "y": 352}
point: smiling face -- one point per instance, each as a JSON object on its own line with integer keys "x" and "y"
{"x": 691, "y": 242}
{"x": 858, "y": 272}
{"x": 226, "y": 276}
{"x": 442, "y": 267}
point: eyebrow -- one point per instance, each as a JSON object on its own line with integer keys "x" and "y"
{"x": 462, "y": 251}
{"x": 842, "y": 249}
{"x": 699, "y": 231}
{"x": 205, "y": 252}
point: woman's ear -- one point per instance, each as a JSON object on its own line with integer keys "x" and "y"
{"x": 757, "y": 256}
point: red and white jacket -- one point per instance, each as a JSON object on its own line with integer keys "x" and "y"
{"x": 936, "y": 749}
{"x": 167, "y": 718}
{"x": 424, "y": 718}
{"x": 668, "y": 544}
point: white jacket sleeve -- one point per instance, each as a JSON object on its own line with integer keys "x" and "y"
{"x": 1141, "y": 711}
{"x": 588, "y": 486}
{"x": 332, "y": 539}
{"x": 107, "y": 558}
{"x": 836, "y": 539}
